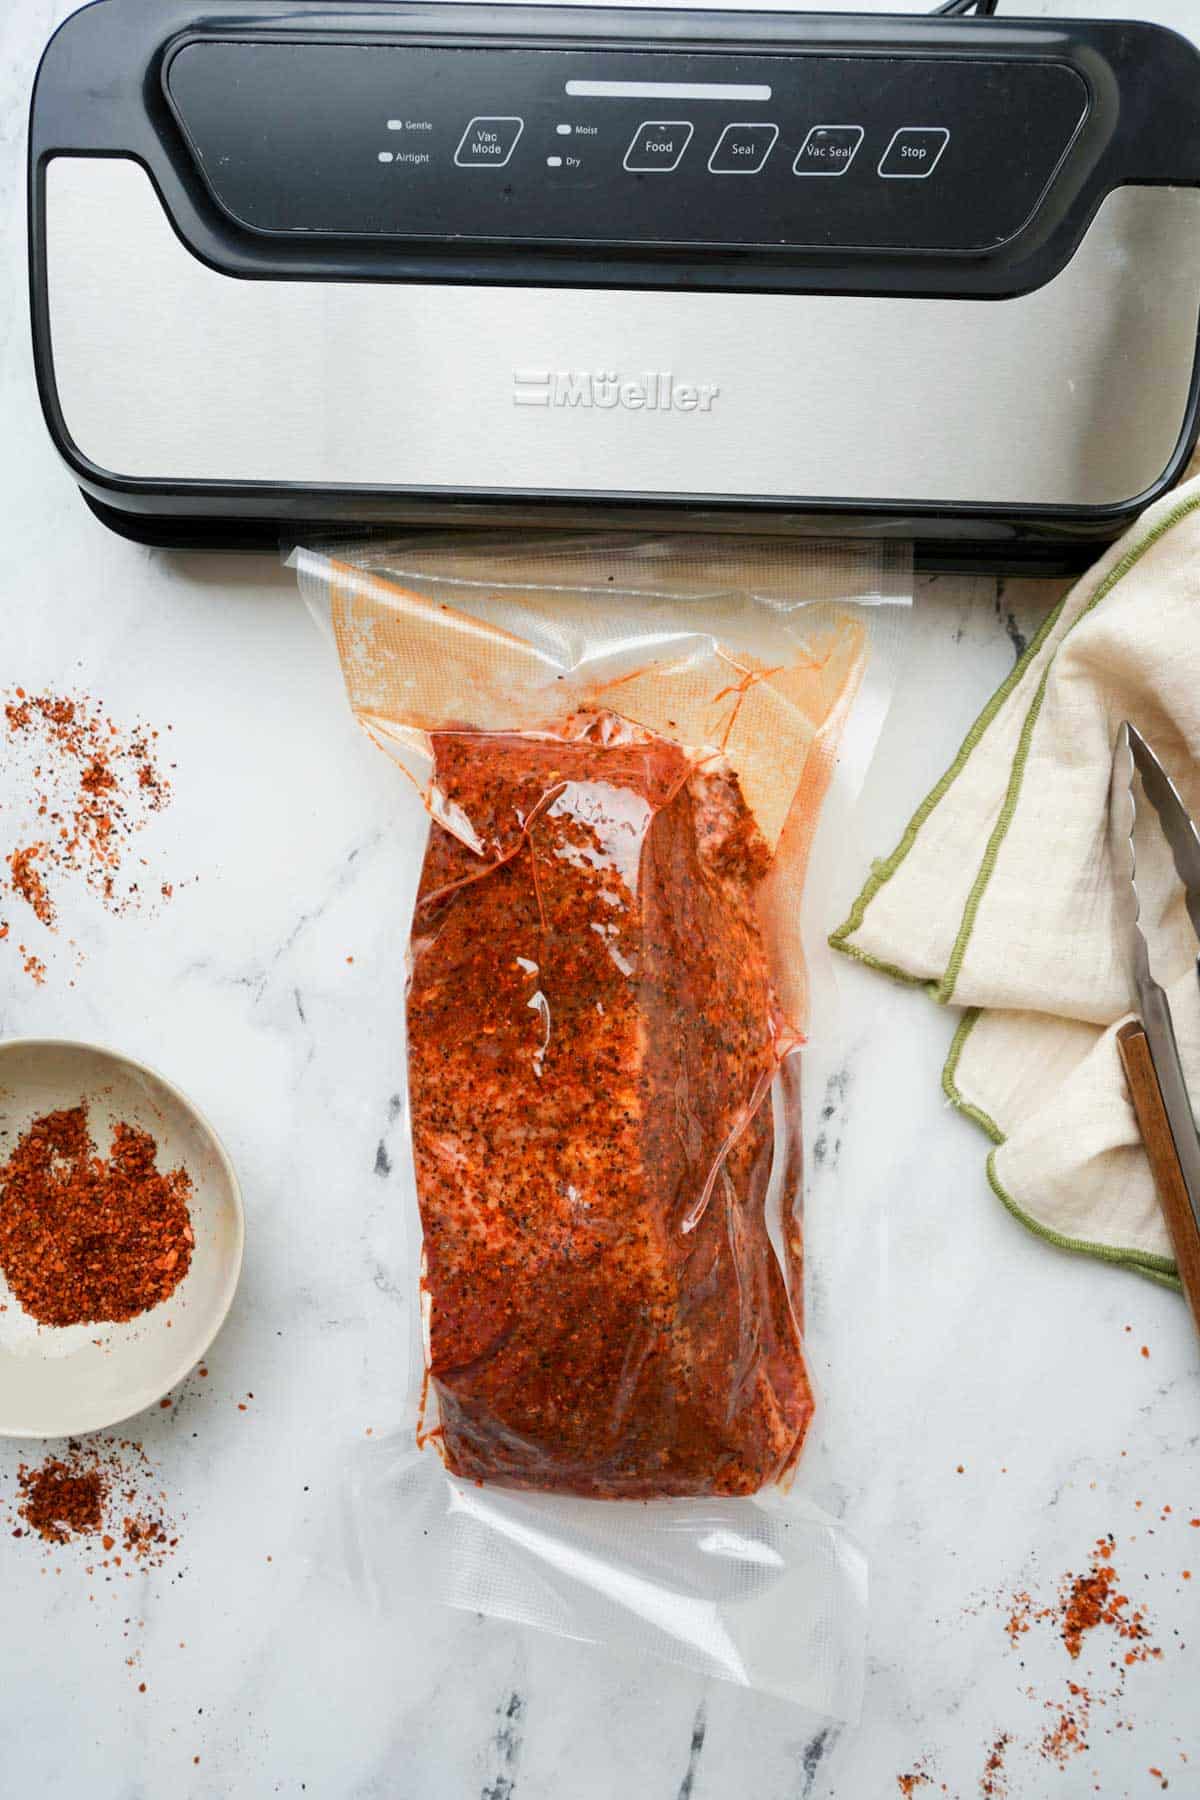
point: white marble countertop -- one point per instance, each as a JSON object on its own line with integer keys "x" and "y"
{"x": 942, "y": 1334}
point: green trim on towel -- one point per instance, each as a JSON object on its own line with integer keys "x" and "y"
{"x": 882, "y": 872}
{"x": 950, "y": 1085}
{"x": 944, "y": 990}
{"x": 1142, "y": 1262}
{"x": 1131, "y": 558}
{"x": 1156, "y": 1268}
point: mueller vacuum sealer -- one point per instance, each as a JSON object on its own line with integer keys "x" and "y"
{"x": 296, "y": 265}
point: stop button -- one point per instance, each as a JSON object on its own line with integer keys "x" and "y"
{"x": 914, "y": 153}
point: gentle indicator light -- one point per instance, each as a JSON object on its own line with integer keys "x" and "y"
{"x": 666, "y": 90}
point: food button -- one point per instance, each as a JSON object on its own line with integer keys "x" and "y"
{"x": 658, "y": 144}
{"x": 743, "y": 149}
{"x": 488, "y": 143}
{"x": 914, "y": 153}
{"x": 828, "y": 150}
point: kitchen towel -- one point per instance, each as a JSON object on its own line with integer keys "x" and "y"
{"x": 999, "y": 898}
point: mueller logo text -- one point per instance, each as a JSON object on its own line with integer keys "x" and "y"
{"x": 603, "y": 390}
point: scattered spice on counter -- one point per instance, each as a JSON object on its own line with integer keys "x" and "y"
{"x": 908, "y": 1784}
{"x": 61, "y": 1500}
{"x": 993, "y": 1783}
{"x": 78, "y": 788}
{"x": 1067, "y": 1737}
{"x": 103, "y": 1492}
{"x": 1146, "y": 1350}
{"x": 1085, "y": 1602}
{"x": 1093, "y": 1600}
{"x": 28, "y": 883}
{"x": 33, "y": 966}
{"x": 1021, "y": 1615}
{"x": 84, "y": 1238}
{"x": 146, "y": 1538}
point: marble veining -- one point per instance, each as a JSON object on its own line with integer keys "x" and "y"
{"x": 985, "y": 1410}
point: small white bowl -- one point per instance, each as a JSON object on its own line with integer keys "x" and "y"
{"x": 65, "y": 1381}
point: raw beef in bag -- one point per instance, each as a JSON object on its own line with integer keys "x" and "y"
{"x": 623, "y": 748}
{"x": 592, "y": 1038}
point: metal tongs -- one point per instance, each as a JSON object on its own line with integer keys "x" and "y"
{"x": 1149, "y": 1051}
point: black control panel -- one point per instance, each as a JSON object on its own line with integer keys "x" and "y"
{"x": 625, "y": 147}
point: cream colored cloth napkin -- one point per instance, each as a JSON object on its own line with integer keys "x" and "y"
{"x": 1000, "y": 897}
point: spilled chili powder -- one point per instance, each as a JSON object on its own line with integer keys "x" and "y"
{"x": 1067, "y": 1737}
{"x": 78, "y": 787}
{"x": 1091, "y": 1602}
{"x": 1093, "y": 1599}
{"x": 993, "y": 1783}
{"x": 84, "y": 1238}
{"x": 102, "y": 1492}
{"x": 28, "y": 883}
{"x": 33, "y": 965}
{"x": 61, "y": 1500}
{"x": 1084, "y": 1603}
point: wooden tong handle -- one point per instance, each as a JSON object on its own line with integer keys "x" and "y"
{"x": 1155, "y": 1127}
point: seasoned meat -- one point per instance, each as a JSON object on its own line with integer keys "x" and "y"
{"x": 591, "y": 1044}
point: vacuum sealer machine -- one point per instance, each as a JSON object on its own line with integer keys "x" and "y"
{"x": 296, "y": 265}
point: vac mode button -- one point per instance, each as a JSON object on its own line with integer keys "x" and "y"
{"x": 914, "y": 153}
{"x": 658, "y": 145}
{"x": 828, "y": 150}
{"x": 488, "y": 143}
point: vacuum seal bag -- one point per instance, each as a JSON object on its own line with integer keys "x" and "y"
{"x": 623, "y": 747}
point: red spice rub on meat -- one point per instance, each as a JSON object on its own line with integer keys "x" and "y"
{"x": 591, "y": 1023}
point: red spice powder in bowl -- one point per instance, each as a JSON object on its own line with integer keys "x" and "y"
{"x": 121, "y": 1233}
{"x": 88, "y": 1238}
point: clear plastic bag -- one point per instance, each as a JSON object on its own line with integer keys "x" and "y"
{"x": 623, "y": 747}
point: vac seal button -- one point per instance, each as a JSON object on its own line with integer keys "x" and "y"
{"x": 828, "y": 150}
{"x": 743, "y": 149}
{"x": 658, "y": 145}
{"x": 488, "y": 143}
{"x": 914, "y": 153}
